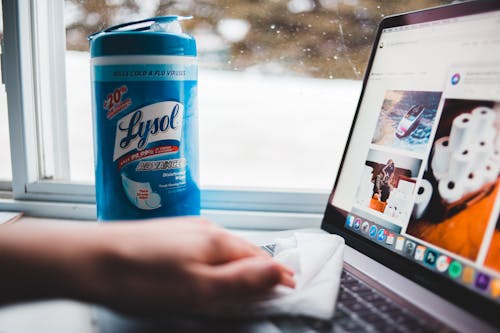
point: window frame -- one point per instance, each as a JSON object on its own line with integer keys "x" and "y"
{"x": 234, "y": 207}
{"x": 19, "y": 80}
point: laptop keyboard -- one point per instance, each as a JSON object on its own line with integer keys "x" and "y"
{"x": 361, "y": 308}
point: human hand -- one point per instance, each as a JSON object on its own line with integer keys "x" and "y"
{"x": 179, "y": 265}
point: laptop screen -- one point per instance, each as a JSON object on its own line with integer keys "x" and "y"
{"x": 420, "y": 174}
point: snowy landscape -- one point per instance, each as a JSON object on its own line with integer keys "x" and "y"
{"x": 255, "y": 130}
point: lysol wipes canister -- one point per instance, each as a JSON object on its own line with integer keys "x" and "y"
{"x": 144, "y": 91}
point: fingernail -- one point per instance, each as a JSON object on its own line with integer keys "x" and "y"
{"x": 288, "y": 281}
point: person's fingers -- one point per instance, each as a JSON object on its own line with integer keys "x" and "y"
{"x": 286, "y": 269}
{"x": 187, "y": 222}
{"x": 197, "y": 220}
{"x": 287, "y": 280}
{"x": 243, "y": 278}
{"x": 225, "y": 247}
{"x": 228, "y": 247}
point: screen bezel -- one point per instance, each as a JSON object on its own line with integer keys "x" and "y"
{"x": 334, "y": 217}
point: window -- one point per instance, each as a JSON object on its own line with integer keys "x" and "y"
{"x": 5, "y": 166}
{"x": 278, "y": 86}
{"x": 272, "y": 85}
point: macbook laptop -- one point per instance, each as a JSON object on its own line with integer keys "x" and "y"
{"x": 417, "y": 193}
{"x": 417, "y": 189}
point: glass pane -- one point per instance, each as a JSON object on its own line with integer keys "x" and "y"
{"x": 5, "y": 165}
{"x": 278, "y": 82}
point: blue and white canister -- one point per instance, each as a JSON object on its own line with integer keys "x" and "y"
{"x": 144, "y": 91}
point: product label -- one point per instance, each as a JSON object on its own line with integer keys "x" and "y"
{"x": 146, "y": 140}
{"x": 153, "y": 123}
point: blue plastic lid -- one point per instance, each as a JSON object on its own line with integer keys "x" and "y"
{"x": 160, "y": 35}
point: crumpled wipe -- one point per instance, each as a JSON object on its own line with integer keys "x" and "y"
{"x": 317, "y": 261}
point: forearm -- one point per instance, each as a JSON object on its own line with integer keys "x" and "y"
{"x": 38, "y": 262}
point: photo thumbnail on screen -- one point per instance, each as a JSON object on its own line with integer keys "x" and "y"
{"x": 387, "y": 184}
{"x": 406, "y": 119}
{"x": 457, "y": 194}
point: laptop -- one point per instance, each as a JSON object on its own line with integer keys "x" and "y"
{"x": 417, "y": 188}
{"x": 417, "y": 192}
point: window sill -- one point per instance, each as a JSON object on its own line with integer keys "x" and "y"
{"x": 236, "y": 219}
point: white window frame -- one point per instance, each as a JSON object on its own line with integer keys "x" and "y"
{"x": 28, "y": 94}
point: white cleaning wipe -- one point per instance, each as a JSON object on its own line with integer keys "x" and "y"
{"x": 317, "y": 262}
{"x": 320, "y": 259}
{"x": 287, "y": 253}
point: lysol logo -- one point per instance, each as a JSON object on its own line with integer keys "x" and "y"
{"x": 155, "y": 122}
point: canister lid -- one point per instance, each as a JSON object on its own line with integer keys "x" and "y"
{"x": 160, "y": 35}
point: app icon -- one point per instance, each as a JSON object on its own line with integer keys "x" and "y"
{"x": 455, "y": 269}
{"x": 455, "y": 79}
{"x": 399, "y": 243}
{"x": 442, "y": 263}
{"x": 419, "y": 252}
{"x": 349, "y": 221}
{"x": 390, "y": 239}
{"x": 357, "y": 223}
{"x": 482, "y": 281}
{"x": 495, "y": 288}
{"x": 365, "y": 227}
{"x": 430, "y": 257}
{"x": 409, "y": 247}
{"x": 381, "y": 235}
{"x": 468, "y": 275}
{"x": 373, "y": 231}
